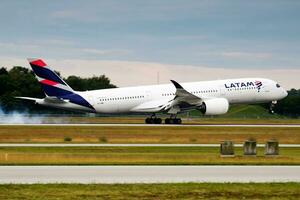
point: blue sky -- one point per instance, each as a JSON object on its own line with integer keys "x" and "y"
{"x": 227, "y": 34}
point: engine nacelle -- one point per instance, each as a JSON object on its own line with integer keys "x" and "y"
{"x": 216, "y": 106}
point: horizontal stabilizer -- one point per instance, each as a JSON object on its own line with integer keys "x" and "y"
{"x": 29, "y": 98}
{"x": 54, "y": 100}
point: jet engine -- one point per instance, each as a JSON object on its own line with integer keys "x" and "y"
{"x": 215, "y": 106}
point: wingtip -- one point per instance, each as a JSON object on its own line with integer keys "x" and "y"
{"x": 177, "y": 85}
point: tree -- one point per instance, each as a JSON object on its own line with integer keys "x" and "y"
{"x": 94, "y": 83}
{"x": 290, "y": 105}
{"x": 3, "y": 71}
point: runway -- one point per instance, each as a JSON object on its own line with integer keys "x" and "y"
{"x": 147, "y": 174}
{"x": 164, "y": 125}
{"x": 130, "y": 145}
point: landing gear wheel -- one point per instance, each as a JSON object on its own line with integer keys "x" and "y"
{"x": 178, "y": 121}
{"x": 167, "y": 121}
{"x": 150, "y": 120}
{"x": 157, "y": 120}
{"x": 173, "y": 121}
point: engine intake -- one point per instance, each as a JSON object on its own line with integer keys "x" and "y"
{"x": 216, "y": 106}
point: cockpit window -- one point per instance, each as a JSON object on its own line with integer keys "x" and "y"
{"x": 277, "y": 85}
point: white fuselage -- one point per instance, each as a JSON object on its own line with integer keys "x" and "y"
{"x": 236, "y": 91}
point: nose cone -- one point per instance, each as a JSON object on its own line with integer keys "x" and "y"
{"x": 283, "y": 93}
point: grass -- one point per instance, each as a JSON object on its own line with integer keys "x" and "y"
{"x": 162, "y": 134}
{"x": 188, "y": 191}
{"x": 139, "y": 156}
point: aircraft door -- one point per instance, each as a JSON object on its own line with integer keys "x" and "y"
{"x": 92, "y": 100}
{"x": 222, "y": 92}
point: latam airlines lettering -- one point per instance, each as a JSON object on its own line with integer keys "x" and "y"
{"x": 237, "y": 85}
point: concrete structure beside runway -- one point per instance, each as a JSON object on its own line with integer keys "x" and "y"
{"x": 147, "y": 174}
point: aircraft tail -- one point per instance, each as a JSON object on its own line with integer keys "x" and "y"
{"x": 55, "y": 87}
{"x": 51, "y": 83}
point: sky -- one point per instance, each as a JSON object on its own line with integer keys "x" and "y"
{"x": 133, "y": 41}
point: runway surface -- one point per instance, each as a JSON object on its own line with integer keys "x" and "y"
{"x": 147, "y": 174}
{"x": 131, "y": 145}
{"x": 165, "y": 125}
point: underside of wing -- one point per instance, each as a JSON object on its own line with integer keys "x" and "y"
{"x": 151, "y": 106}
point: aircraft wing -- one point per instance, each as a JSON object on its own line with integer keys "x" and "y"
{"x": 183, "y": 100}
{"x": 184, "y": 95}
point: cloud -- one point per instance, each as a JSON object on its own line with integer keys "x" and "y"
{"x": 247, "y": 55}
{"x": 107, "y": 52}
{"x": 128, "y": 73}
{"x": 50, "y": 47}
{"x": 74, "y": 15}
{"x": 188, "y": 37}
{"x": 20, "y": 47}
{"x": 55, "y": 42}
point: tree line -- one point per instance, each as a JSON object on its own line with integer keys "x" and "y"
{"x": 20, "y": 81}
{"x": 289, "y": 106}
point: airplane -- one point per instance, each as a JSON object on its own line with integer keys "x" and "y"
{"x": 209, "y": 97}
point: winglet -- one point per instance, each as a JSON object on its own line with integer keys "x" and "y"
{"x": 177, "y": 85}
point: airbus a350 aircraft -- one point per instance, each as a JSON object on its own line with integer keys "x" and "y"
{"x": 210, "y": 97}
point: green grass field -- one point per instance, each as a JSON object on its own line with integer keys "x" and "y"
{"x": 180, "y": 191}
{"x": 139, "y": 156}
{"x": 161, "y": 134}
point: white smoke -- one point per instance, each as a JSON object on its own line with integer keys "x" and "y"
{"x": 16, "y": 117}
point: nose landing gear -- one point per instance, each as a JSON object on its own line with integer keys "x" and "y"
{"x": 271, "y": 108}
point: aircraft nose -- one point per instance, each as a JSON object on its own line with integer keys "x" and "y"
{"x": 285, "y": 93}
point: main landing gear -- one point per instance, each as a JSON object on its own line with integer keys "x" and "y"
{"x": 173, "y": 121}
{"x": 154, "y": 120}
